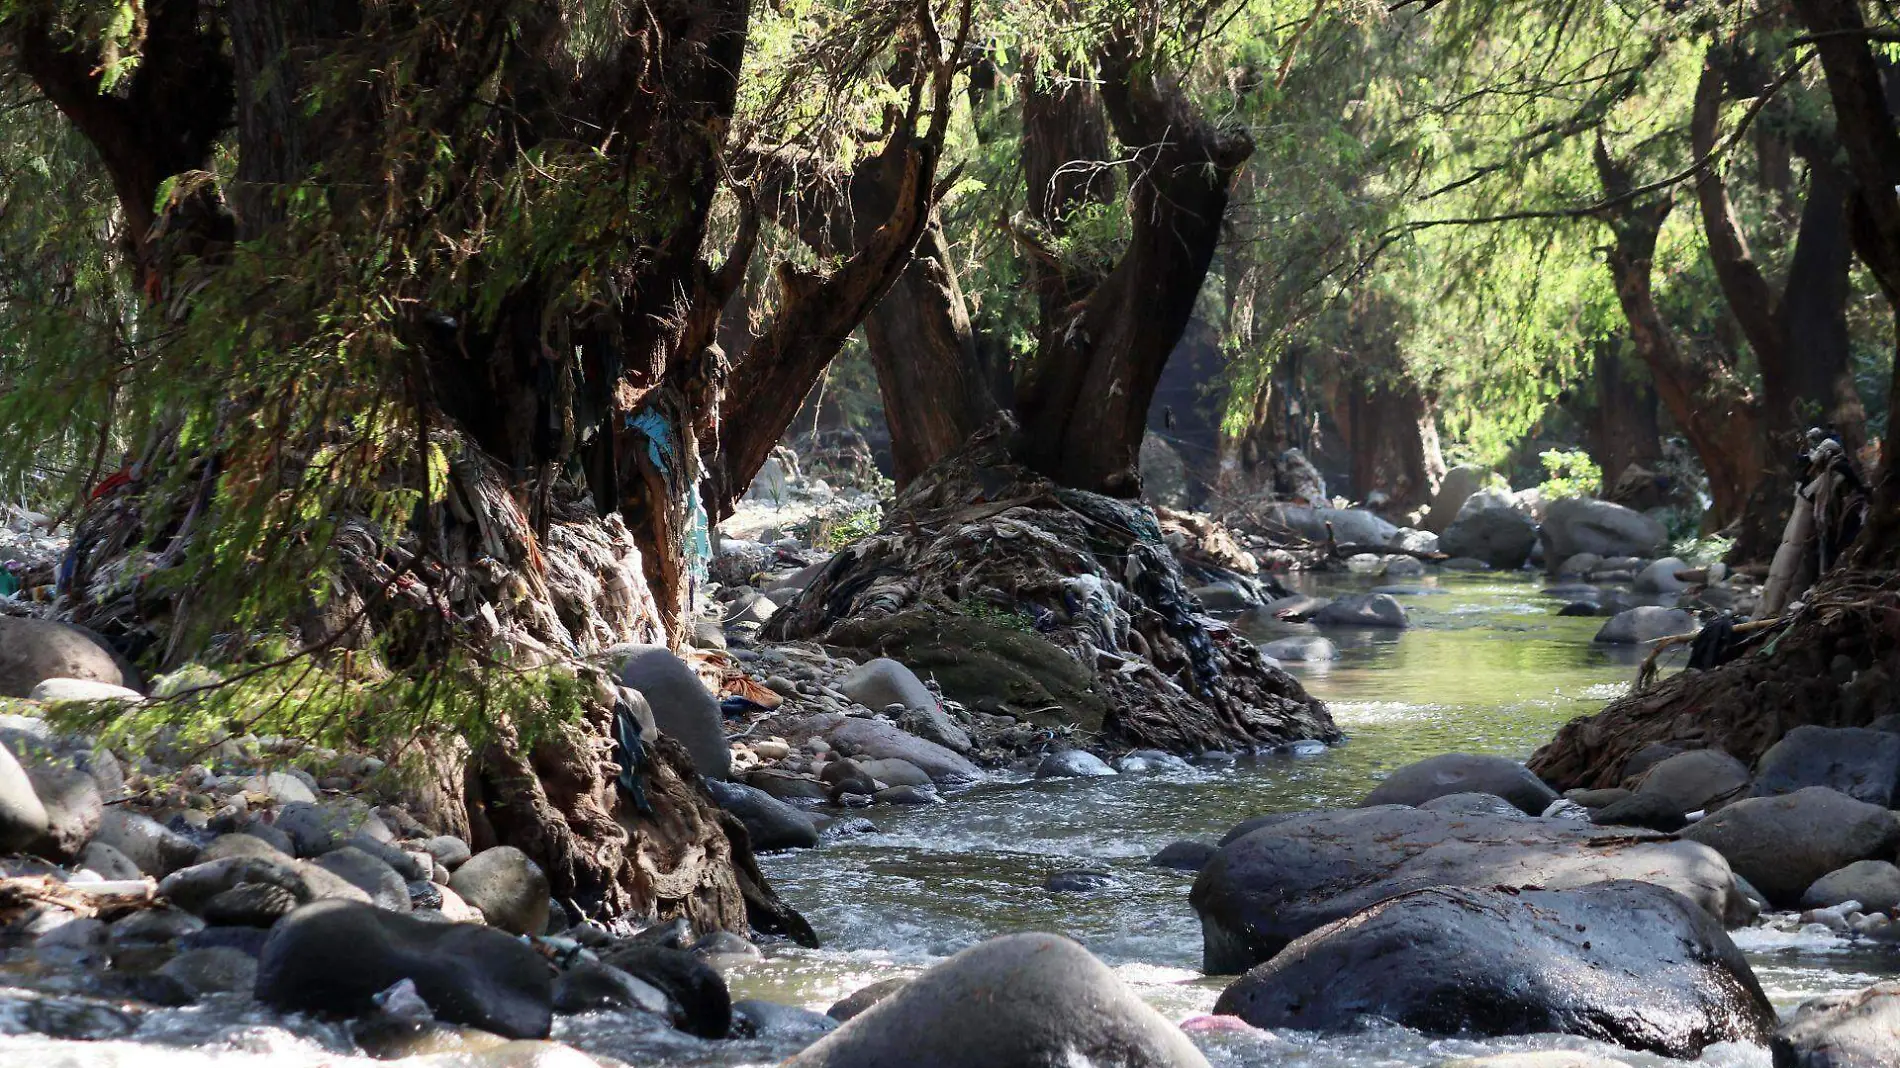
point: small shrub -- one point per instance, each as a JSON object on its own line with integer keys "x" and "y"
{"x": 1569, "y": 473}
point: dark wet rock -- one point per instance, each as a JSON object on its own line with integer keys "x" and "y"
{"x": 1363, "y": 610}
{"x": 1599, "y": 798}
{"x": 154, "y": 927}
{"x": 1641, "y": 810}
{"x": 335, "y": 956}
{"x": 1580, "y": 608}
{"x": 786, "y": 786}
{"x": 1301, "y": 649}
{"x": 212, "y": 889}
{"x": 82, "y": 940}
{"x": 1188, "y": 854}
{"x": 1645, "y": 623}
{"x": 676, "y": 933}
{"x": 1027, "y": 999}
{"x": 882, "y": 682}
{"x": 1073, "y": 764}
{"x": 907, "y": 795}
{"x": 157, "y": 850}
{"x": 1582, "y": 525}
{"x": 770, "y": 823}
{"x": 448, "y": 851}
{"x": 1622, "y": 962}
{"x": 1650, "y": 755}
{"x": 1253, "y": 823}
{"x": 245, "y": 939}
{"x": 424, "y": 894}
{"x": 313, "y": 829}
{"x": 863, "y": 998}
{"x": 1280, "y": 881}
{"x": 765, "y": 1019}
{"x": 385, "y": 888}
{"x": 681, "y": 706}
{"x": 250, "y": 905}
{"x": 1463, "y": 773}
{"x": 1501, "y": 537}
{"x": 846, "y": 827}
{"x": 1473, "y": 805}
{"x": 508, "y": 888}
{"x": 692, "y": 984}
{"x": 270, "y": 835}
{"x": 219, "y": 970}
{"x": 403, "y": 863}
{"x": 878, "y": 740}
{"x": 108, "y": 862}
{"x": 1863, "y": 764}
{"x": 1873, "y": 883}
{"x": 34, "y": 650}
{"x": 725, "y": 944}
{"x": 1783, "y": 844}
{"x": 1078, "y": 882}
{"x": 1857, "y": 1030}
{"x": 590, "y": 986}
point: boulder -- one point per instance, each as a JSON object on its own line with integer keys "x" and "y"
{"x": 883, "y": 682}
{"x": 1501, "y": 537}
{"x": 81, "y": 691}
{"x": 23, "y": 818}
{"x": 1473, "y": 805}
{"x": 1281, "y": 880}
{"x": 590, "y": 986}
{"x": 1581, "y": 525}
{"x": 1659, "y": 576}
{"x": 157, "y": 850}
{"x": 212, "y": 970}
{"x": 1783, "y": 844}
{"x": 1188, "y": 854}
{"x": 857, "y": 1001}
{"x": 1350, "y": 526}
{"x": 1863, "y": 764}
{"x": 1024, "y": 999}
{"x": 1873, "y": 883}
{"x": 313, "y": 829}
{"x": 510, "y": 890}
{"x": 1696, "y": 781}
{"x": 771, "y": 824}
{"x": 1301, "y": 649}
{"x": 753, "y": 1018}
{"x": 1645, "y": 623}
{"x": 1363, "y": 610}
{"x": 74, "y": 807}
{"x": 1642, "y": 810}
{"x": 368, "y": 873}
{"x": 334, "y": 957}
{"x": 681, "y": 705}
{"x": 895, "y": 772}
{"x": 879, "y": 740}
{"x": 448, "y": 851}
{"x": 1578, "y": 565}
{"x": 935, "y": 725}
{"x": 1857, "y": 1030}
{"x": 195, "y": 888}
{"x": 1454, "y": 490}
{"x": 1073, "y": 764}
{"x": 34, "y": 650}
{"x": 1463, "y": 773}
{"x": 1650, "y": 755}
{"x": 1623, "y": 962}
{"x": 786, "y": 786}
{"x": 108, "y": 863}
{"x": 703, "y": 1004}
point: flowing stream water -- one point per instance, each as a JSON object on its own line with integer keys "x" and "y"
{"x": 1486, "y": 667}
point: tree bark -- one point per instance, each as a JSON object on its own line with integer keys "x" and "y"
{"x": 1621, "y": 420}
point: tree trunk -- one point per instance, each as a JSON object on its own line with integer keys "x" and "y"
{"x": 1083, "y": 400}
{"x": 1621, "y": 421}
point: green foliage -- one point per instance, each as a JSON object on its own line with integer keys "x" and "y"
{"x": 1569, "y": 473}
{"x": 833, "y": 533}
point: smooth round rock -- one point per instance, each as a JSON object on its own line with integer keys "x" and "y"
{"x": 1073, "y": 764}
{"x": 882, "y": 682}
{"x": 508, "y": 888}
{"x": 682, "y": 708}
{"x": 1188, "y": 854}
{"x": 1857, "y": 1030}
{"x": 1463, "y": 773}
{"x": 34, "y": 650}
{"x": 1873, "y": 883}
{"x": 1783, "y": 844}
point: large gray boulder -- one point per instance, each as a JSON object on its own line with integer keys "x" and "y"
{"x": 879, "y": 740}
{"x": 1660, "y": 577}
{"x": 34, "y": 650}
{"x": 1863, "y": 764}
{"x": 1783, "y": 844}
{"x": 1696, "y": 781}
{"x": 882, "y": 682}
{"x": 1873, "y": 883}
{"x": 1350, "y": 526}
{"x": 1463, "y": 773}
{"x": 1645, "y": 623}
{"x": 770, "y": 823}
{"x": 335, "y": 956}
{"x": 1285, "y": 878}
{"x": 510, "y": 889}
{"x": 1013, "y": 1002}
{"x": 1363, "y": 610}
{"x": 1456, "y": 488}
{"x": 682, "y": 708}
{"x": 1583, "y": 525}
{"x": 23, "y": 819}
{"x": 1857, "y": 1030}
{"x": 1623, "y": 962}
{"x": 1501, "y": 537}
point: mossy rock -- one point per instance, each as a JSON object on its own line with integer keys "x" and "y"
{"x": 981, "y": 664}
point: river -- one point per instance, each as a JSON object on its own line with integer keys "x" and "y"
{"x": 1486, "y": 667}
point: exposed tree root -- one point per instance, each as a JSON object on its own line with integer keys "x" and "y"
{"x": 1833, "y": 664}
{"x": 1054, "y": 605}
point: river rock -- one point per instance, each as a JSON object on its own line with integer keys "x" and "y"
{"x": 590, "y": 986}
{"x": 1025, "y": 999}
{"x": 1073, "y": 764}
{"x": 1623, "y": 962}
{"x": 857, "y": 1001}
{"x": 81, "y": 691}
{"x": 1696, "y": 781}
{"x": 1301, "y": 649}
{"x": 1284, "y": 879}
{"x": 935, "y": 725}
{"x": 1077, "y": 882}
{"x": 1363, "y": 610}
{"x": 157, "y": 850}
{"x": 34, "y": 650}
{"x": 1188, "y": 854}
{"x": 693, "y": 985}
{"x": 1873, "y": 883}
{"x": 1454, "y": 490}
{"x": 1783, "y": 844}
{"x": 1582, "y": 525}
{"x": 194, "y": 888}
{"x": 1642, "y": 810}
{"x": 786, "y": 786}
{"x": 335, "y": 956}
{"x": 1350, "y": 526}
{"x": 1857, "y": 1030}
{"x": 1463, "y": 773}
{"x": 313, "y": 829}
{"x": 1136, "y": 761}
{"x": 385, "y": 887}
{"x": 1659, "y": 576}
{"x": 681, "y": 705}
{"x": 1863, "y": 764}
{"x": 1222, "y": 597}
{"x": 23, "y": 818}
{"x": 771, "y": 824}
{"x": 895, "y": 772}
{"x": 883, "y": 682}
{"x": 753, "y": 1018}
{"x": 509, "y": 889}
{"x": 243, "y": 844}
{"x": 1473, "y": 805}
{"x": 879, "y": 740}
{"x": 448, "y": 851}
{"x": 74, "y": 807}
{"x": 108, "y": 863}
{"x": 1501, "y": 537}
{"x": 1645, "y": 623}
{"x": 217, "y": 970}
